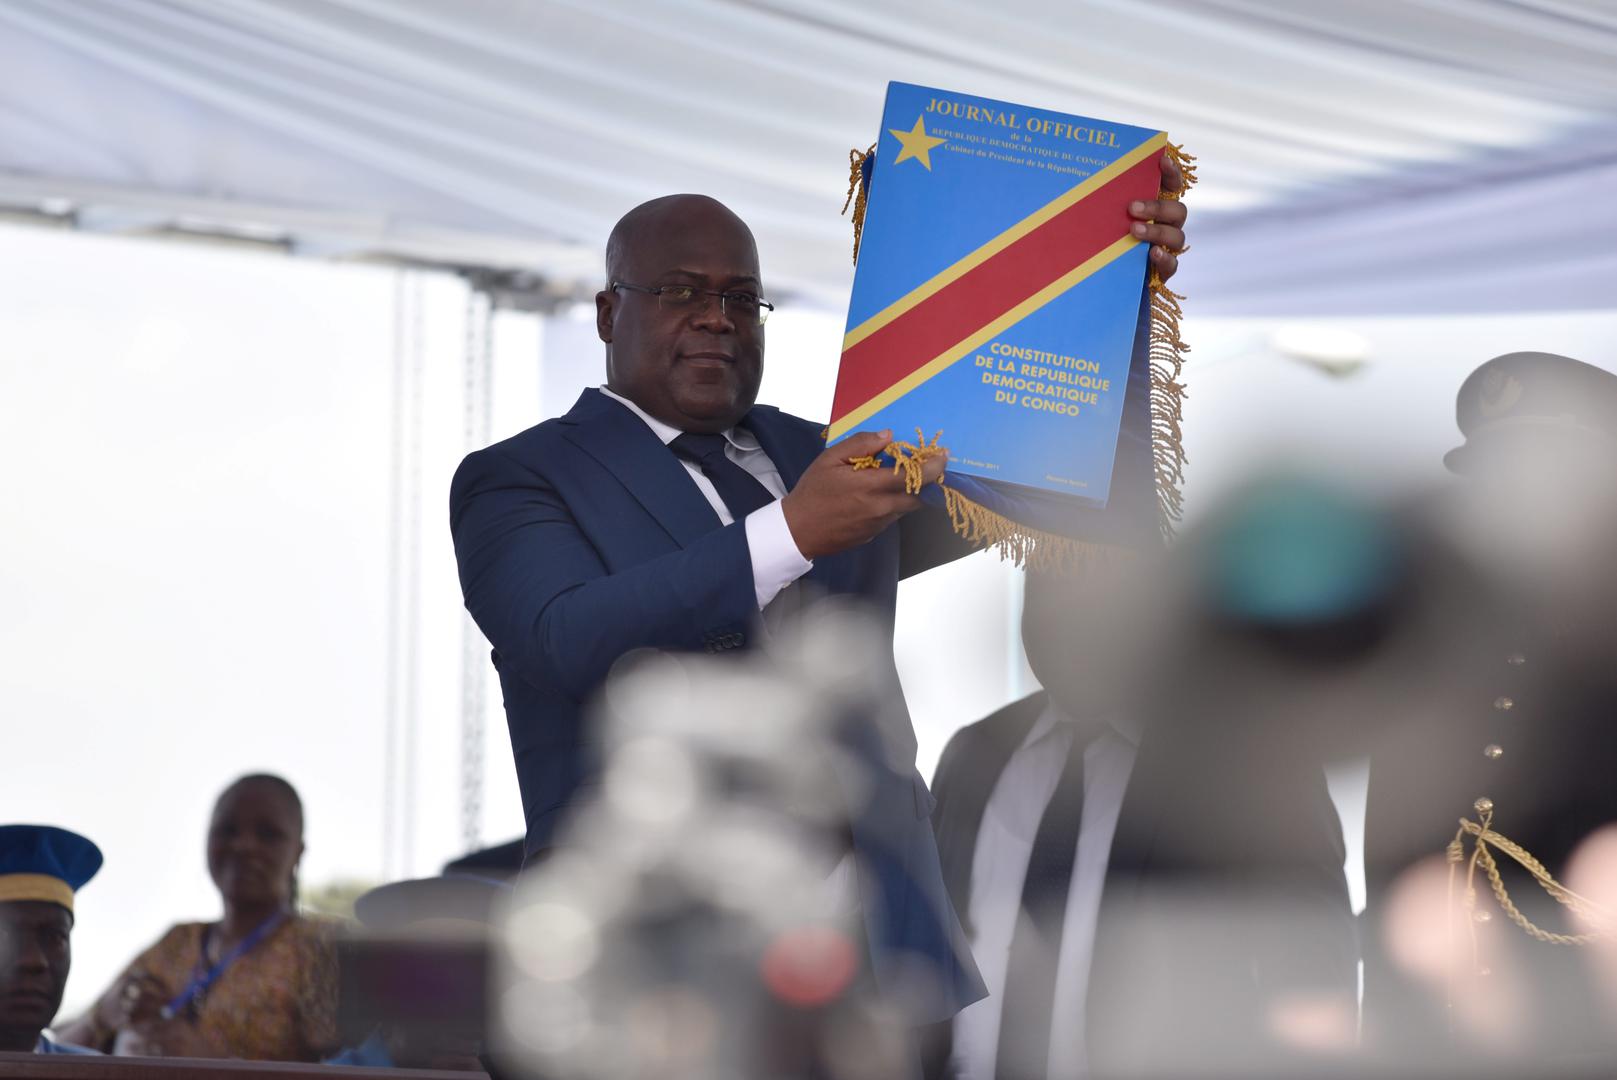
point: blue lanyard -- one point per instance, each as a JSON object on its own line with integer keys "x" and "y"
{"x": 202, "y": 980}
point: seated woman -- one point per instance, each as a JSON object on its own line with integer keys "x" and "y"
{"x": 261, "y": 983}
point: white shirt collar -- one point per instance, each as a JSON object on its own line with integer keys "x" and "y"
{"x": 740, "y": 438}
{"x": 1053, "y": 716}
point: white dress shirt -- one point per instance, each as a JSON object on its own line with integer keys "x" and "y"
{"x": 776, "y": 562}
{"x": 999, "y": 867}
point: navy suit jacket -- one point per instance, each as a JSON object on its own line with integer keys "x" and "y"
{"x": 584, "y": 538}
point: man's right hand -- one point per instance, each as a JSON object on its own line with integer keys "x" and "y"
{"x": 835, "y": 506}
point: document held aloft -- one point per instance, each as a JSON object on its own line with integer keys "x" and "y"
{"x": 1001, "y": 299}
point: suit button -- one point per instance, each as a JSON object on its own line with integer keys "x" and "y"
{"x": 1493, "y": 751}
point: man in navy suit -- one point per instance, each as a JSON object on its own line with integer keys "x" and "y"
{"x": 666, "y": 510}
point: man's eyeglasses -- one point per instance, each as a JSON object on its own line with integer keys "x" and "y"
{"x": 743, "y": 307}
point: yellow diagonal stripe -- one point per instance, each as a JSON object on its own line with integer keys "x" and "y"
{"x": 1003, "y": 240}
{"x": 855, "y": 417}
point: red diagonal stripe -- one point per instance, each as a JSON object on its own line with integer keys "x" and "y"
{"x": 992, "y": 287}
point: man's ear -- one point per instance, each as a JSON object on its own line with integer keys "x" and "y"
{"x": 606, "y": 302}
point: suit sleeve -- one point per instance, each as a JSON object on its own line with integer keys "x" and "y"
{"x": 927, "y": 539}
{"x": 541, "y": 594}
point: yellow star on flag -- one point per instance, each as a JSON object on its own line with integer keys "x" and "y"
{"x": 917, "y": 144}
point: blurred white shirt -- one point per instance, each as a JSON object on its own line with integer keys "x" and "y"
{"x": 999, "y": 868}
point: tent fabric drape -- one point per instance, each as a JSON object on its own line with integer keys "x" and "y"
{"x": 1346, "y": 148}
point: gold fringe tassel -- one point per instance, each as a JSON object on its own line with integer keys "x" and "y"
{"x": 1167, "y": 359}
{"x": 909, "y": 458}
{"x": 858, "y": 194}
{"x": 1024, "y": 546}
{"x": 1035, "y": 548}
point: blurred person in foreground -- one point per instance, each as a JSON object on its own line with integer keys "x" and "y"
{"x": 635, "y": 951}
{"x": 417, "y": 970}
{"x": 261, "y": 982}
{"x": 667, "y": 510}
{"x": 1526, "y": 757}
{"x": 1142, "y": 891}
{"x": 41, "y": 868}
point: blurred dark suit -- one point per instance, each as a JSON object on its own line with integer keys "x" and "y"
{"x": 1223, "y": 896}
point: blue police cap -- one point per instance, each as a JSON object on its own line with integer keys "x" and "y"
{"x": 42, "y": 862}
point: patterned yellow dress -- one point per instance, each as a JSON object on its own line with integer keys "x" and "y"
{"x": 277, "y": 1002}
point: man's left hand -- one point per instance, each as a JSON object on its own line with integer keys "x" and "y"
{"x": 1161, "y": 222}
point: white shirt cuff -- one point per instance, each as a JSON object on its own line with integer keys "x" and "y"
{"x": 776, "y": 562}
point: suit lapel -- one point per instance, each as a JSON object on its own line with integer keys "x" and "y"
{"x": 959, "y": 816}
{"x": 630, "y": 451}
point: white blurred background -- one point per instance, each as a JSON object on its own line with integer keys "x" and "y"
{"x": 225, "y": 470}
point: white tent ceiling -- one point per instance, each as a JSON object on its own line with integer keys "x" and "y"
{"x": 1379, "y": 156}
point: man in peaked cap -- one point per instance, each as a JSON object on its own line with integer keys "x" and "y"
{"x": 1533, "y": 402}
{"x": 1530, "y": 746}
{"x": 1540, "y": 495}
{"x": 41, "y": 867}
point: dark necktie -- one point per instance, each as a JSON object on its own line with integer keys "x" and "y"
{"x": 740, "y": 490}
{"x": 1030, "y": 976}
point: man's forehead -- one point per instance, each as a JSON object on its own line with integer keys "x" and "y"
{"x": 703, "y": 247}
{"x": 690, "y": 233}
{"x": 33, "y": 913}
